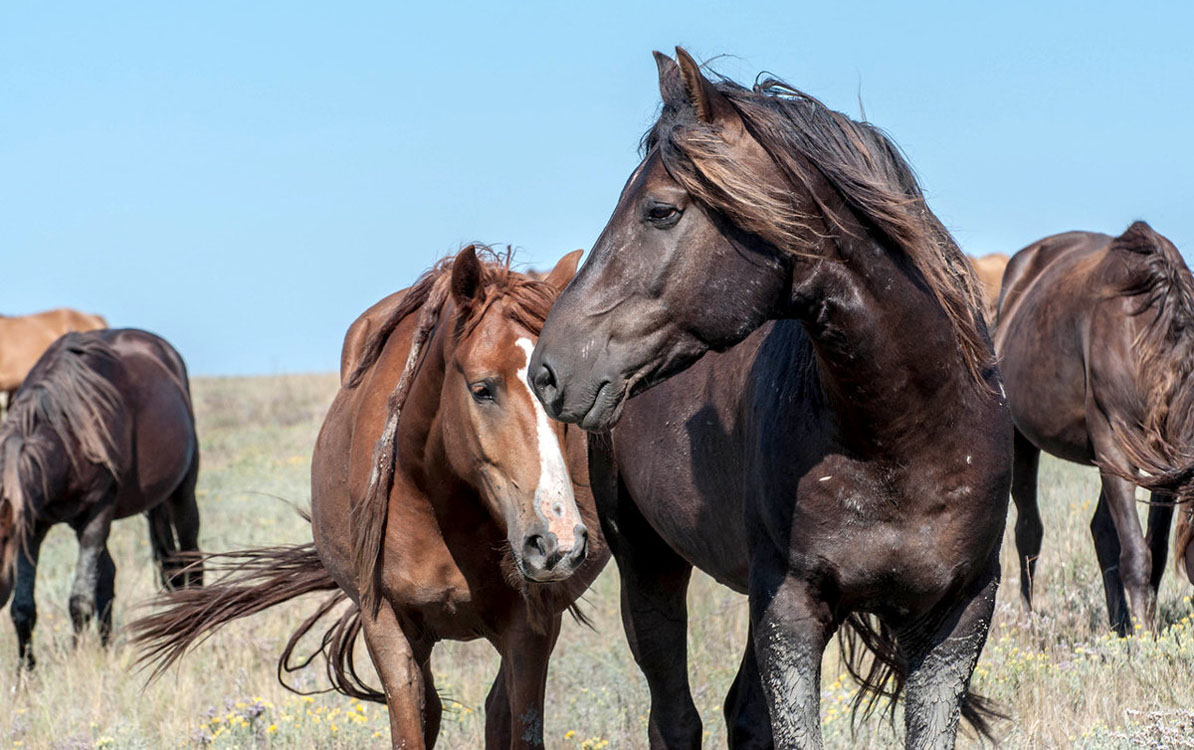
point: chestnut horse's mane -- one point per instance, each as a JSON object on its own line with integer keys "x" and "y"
{"x": 530, "y": 299}
{"x": 71, "y": 398}
{"x": 808, "y": 142}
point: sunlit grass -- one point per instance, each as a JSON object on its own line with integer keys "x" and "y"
{"x": 1060, "y": 674}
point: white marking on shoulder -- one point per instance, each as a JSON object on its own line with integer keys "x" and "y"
{"x": 554, "y": 499}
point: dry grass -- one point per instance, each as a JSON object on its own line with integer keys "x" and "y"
{"x": 1063, "y": 679}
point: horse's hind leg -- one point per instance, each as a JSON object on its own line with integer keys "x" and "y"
{"x": 105, "y": 593}
{"x": 747, "y": 720}
{"x": 1029, "y": 529}
{"x": 161, "y": 541}
{"x": 940, "y": 663}
{"x": 1135, "y": 565}
{"x": 24, "y": 607}
{"x": 1160, "y": 519}
{"x": 184, "y": 511}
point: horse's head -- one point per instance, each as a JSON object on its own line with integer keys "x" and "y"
{"x": 496, "y": 434}
{"x": 670, "y": 277}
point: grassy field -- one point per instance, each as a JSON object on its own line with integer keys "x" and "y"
{"x": 1063, "y": 680}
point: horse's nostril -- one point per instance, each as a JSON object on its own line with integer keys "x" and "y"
{"x": 545, "y": 382}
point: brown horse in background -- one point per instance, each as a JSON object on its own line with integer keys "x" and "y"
{"x": 1096, "y": 344}
{"x": 444, "y": 504}
{"x": 989, "y": 270}
{"x": 101, "y": 429}
{"x": 23, "y": 338}
{"x": 823, "y": 431}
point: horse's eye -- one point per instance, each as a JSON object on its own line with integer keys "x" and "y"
{"x": 482, "y": 391}
{"x": 662, "y": 214}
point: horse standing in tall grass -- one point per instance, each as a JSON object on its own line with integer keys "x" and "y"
{"x": 1096, "y": 344}
{"x": 101, "y": 429}
{"x": 444, "y": 505}
{"x": 847, "y": 454}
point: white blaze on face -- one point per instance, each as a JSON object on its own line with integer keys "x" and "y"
{"x": 554, "y": 500}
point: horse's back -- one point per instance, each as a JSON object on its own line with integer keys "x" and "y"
{"x": 1052, "y": 291}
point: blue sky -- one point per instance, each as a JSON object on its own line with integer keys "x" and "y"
{"x": 245, "y": 178}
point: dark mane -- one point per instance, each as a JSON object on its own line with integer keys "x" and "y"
{"x": 67, "y": 395}
{"x": 529, "y": 301}
{"x": 807, "y": 142}
{"x": 1162, "y": 289}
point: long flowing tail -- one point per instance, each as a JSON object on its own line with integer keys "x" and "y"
{"x": 252, "y": 581}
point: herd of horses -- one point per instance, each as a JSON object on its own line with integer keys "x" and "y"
{"x": 784, "y": 373}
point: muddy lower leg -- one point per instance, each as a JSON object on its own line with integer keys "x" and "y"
{"x": 791, "y": 627}
{"x": 939, "y": 670}
{"x": 94, "y": 564}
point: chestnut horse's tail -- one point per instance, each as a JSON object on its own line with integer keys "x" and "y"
{"x": 253, "y": 581}
{"x": 883, "y": 674}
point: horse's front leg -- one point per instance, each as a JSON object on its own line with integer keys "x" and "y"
{"x": 399, "y": 668}
{"x": 95, "y": 573}
{"x": 791, "y": 626}
{"x": 24, "y": 607}
{"x": 525, "y": 654}
{"x": 941, "y": 661}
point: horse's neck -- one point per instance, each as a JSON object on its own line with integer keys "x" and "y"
{"x": 884, "y": 348}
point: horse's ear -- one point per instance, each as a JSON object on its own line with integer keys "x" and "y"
{"x": 564, "y": 271}
{"x": 711, "y": 105}
{"x": 671, "y": 85}
{"x": 466, "y": 276}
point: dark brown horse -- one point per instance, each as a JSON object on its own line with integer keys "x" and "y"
{"x": 1096, "y": 344}
{"x": 849, "y": 457}
{"x": 444, "y": 503}
{"x": 101, "y": 429}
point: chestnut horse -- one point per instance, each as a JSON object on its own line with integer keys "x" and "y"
{"x": 101, "y": 429}
{"x": 846, "y": 464}
{"x": 444, "y": 504}
{"x": 989, "y": 270}
{"x": 1096, "y": 344}
{"x": 23, "y": 338}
